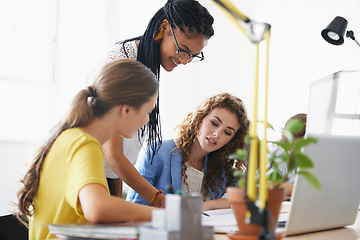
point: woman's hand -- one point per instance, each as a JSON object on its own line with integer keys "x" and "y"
{"x": 221, "y": 203}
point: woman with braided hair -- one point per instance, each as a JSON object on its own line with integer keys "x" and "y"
{"x": 175, "y": 35}
{"x": 66, "y": 182}
{"x": 196, "y": 161}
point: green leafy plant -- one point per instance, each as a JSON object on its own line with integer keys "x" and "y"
{"x": 291, "y": 156}
{"x": 241, "y": 154}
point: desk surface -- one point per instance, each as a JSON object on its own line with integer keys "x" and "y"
{"x": 349, "y": 233}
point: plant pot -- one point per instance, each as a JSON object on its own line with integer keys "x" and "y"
{"x": 249, "y": 231}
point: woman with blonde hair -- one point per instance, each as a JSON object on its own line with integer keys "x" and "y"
{"x": 66, "y": 182}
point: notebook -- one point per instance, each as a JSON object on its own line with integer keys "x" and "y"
{"x": 337, "y": 165}
{"x": 126, "y": 230}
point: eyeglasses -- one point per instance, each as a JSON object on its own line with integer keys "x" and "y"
{"x": 183, "y": 54}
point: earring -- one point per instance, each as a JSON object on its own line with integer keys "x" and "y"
{"x": 158, "y": 36}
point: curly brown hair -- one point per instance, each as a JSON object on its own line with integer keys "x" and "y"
{"x": 218, "y": 160}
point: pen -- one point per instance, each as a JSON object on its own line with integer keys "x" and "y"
{"x": 170, "y": 189}
{"x": 206, "y": 214}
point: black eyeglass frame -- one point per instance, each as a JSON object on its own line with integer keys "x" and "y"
{"x": 190, "y": 56}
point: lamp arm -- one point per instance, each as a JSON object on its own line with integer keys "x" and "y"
{"x": 255, "y": 31}
{"x": 350, "y": 34}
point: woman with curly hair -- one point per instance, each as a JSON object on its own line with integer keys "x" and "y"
{"x": 196, "y": 161}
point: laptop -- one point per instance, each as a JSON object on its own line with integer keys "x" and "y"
{"x": 337, "y": 165}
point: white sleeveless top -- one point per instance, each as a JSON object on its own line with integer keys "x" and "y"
{"x": 132, "y": 145}
{"x": 132, "y": 148}
{"x": 195, "y": 179}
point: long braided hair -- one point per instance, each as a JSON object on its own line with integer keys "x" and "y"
{"x": 136, "y": 83}
{"x": 187, "y": 15}
{"x": 218, "y": 160}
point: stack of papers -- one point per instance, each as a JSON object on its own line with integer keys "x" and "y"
{"x": 224, "y": 221}
{"x": 128, "y": 230}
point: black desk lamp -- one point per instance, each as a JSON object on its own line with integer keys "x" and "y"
{"x": 334, "y": 32}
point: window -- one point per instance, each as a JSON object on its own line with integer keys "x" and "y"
{"x": 26, "y": 30}
{"x": 346, "y": 116}
{"x": 334, "y": 106}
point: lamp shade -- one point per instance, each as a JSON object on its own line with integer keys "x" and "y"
{"x": 334, "y": 32}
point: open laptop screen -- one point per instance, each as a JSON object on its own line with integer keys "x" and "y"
{"x": 337, "y": 165}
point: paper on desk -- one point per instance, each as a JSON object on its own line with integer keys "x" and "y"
{"x": 284, "y": 211}
{"x": 223, "y": 220}
{"x": 225, "y": 217}
{"x": 285, "y": 207}
{"x": 283, "y": 217}
{"x": 219, "y": 217}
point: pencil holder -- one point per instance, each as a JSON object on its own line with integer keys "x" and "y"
{"x": 191, "y": 227}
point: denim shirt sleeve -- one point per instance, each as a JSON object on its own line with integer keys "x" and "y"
{"x": 148, "y": 171}
{"x": 159, "y": 173}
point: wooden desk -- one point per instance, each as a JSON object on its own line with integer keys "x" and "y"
{"x": 351, "y": 232}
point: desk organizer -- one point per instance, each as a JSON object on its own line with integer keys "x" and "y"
{"x": 181, "y": 219}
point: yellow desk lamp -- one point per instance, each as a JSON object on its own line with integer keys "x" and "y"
{"x": 256, "y": 32}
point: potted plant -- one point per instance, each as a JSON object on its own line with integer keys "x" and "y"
{"x": 290, "y": 160}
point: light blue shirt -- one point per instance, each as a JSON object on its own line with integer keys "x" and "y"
{"x": 165, "y": 171}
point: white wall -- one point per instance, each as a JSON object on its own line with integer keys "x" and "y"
{"x": 13, "y": 157}
{"x": 298, "y": 55}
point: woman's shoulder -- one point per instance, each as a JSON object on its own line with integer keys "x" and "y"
{"x": 169, "y": 146}
{"x": 122, "y": 50}
{"x": 166, "y": 150}
{"x": 130, "y": 47}
{"x": 77, "y": 137}
{"x": 168, "y": 143}
{"x": 116, "y": 52}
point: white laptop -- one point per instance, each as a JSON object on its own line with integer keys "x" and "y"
{"x": 337, "y": 165}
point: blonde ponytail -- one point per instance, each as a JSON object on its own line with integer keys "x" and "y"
{"x": 120, "y": 82}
